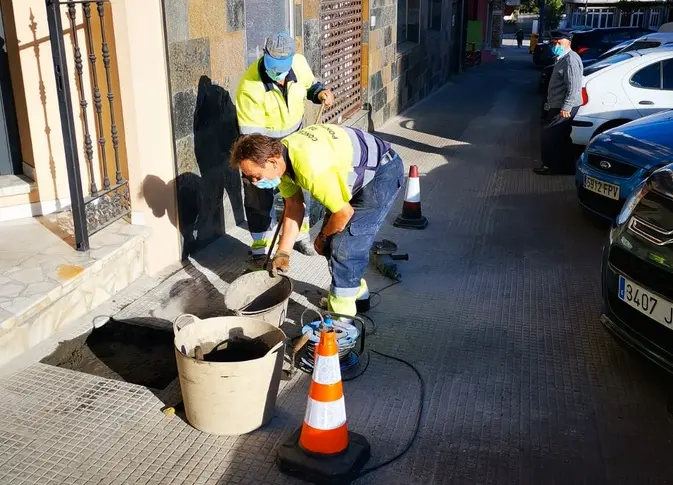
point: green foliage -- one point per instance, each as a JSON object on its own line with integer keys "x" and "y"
{"x": 552, "y": 14}
{"x": 529, "y": 6}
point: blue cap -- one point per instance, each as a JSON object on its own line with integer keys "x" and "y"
{"x": 278, "y": 52}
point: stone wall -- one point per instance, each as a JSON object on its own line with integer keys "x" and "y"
{"x": 402, "y": 74}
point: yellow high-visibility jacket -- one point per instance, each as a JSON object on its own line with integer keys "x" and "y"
{"x": 262, "y": 106}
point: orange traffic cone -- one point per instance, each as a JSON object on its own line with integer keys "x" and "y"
{"x": 412, "y": 217}
{"x": 323, "y": 450}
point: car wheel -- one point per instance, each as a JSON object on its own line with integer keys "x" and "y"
{"x": 608, "y": 126}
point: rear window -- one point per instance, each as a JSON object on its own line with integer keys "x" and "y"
{"x": 610, "y": 61}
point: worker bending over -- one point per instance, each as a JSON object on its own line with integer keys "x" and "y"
{"x": 270, "y": 101}
{"x": 354, "y": 174}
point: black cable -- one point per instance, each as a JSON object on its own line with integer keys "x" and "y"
{"x": 419, "y": 415}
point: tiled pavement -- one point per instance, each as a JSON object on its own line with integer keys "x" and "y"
{"x": 498, "y": 310}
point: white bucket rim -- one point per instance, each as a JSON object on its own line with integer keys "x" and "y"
{"x": 240, "y": 312}
{"x": 272, "y": 350}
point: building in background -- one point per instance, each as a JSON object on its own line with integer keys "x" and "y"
{"x": 602, "y": 13}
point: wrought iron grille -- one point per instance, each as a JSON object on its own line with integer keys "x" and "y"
{"x": 341, "y": 51}
{"x": 107, "y": 198}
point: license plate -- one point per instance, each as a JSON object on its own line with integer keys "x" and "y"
{"x": 611, "y": 191}
{"x": 646, "y": 302}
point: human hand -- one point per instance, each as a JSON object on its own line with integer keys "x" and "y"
{"x": 565, "y": 114}
{"x": 326, "y": 97}
{"x": 280, "y": 263}
{"x": 320, "y": 244}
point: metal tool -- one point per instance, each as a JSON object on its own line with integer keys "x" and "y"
{"x": 383, "y": 255}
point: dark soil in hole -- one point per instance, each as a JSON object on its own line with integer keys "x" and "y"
{"x": 124, "y": 350}
{"x": 238, "y": 350}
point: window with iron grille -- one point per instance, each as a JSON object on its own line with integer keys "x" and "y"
{"x": 341, "y": 50}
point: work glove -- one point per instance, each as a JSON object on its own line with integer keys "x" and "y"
{"x": 280, "y": 263}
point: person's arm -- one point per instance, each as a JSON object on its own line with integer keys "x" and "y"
{"x": 292, "y": 219}
{"x": 573, "y": 81}
{"x": 250, "y": 114}
{"x": 338, "y": 221}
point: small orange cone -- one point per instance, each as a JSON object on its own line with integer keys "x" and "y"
{"x": 323, "y": 450}
{"x": 324, "y": 429}
{"x": 412, "y": 216}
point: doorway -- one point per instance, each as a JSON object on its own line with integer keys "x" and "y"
{"x": 10, "y": 154}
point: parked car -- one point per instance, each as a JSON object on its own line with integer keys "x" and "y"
{"x": 623, "y": 88}
{"x": 648, "y": 41}
{"x": 637, "y": 271}
{"x": 617, "y": 161}
{"x": 591, "y": 44}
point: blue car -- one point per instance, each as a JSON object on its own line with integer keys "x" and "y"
{"x": 616, "y": 161}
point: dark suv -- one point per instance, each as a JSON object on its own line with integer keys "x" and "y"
{"x": 637, "y": 270}
{"x": 590, "y": 44}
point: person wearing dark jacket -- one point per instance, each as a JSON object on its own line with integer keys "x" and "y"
{"x": 519, "y": 38}
{"x": 564, "y": 98}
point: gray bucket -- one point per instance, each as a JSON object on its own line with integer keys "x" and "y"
{"x": 260, "y": 295}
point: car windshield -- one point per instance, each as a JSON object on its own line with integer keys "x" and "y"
{"x": 605, "y": 63}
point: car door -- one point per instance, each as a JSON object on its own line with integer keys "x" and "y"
{"x": 650, "y": 87}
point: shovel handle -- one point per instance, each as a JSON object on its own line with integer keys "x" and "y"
{"x": 322, "y": 107}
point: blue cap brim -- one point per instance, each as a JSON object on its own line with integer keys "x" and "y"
{"x": 278, "y": 65}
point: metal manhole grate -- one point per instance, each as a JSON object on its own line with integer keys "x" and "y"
{"x": 341, "y": 48}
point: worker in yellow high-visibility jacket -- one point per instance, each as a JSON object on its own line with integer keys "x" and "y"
{"x": 270, "y": 101}
{"x": 354, "y": 174}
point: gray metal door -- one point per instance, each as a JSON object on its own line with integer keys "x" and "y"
{"x": 10, "y": 158}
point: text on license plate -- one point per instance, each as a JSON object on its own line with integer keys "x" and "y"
{"x": 605, "y": 189}
{"x": 646, "y": 302}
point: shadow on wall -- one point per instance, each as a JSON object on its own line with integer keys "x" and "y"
{"x": 201, "y": 212}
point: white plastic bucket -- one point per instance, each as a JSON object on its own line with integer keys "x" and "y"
{"x": 260, "y": 295}
{"x": 228, "y": 398}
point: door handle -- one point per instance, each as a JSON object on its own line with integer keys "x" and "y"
{"x": 647, "y": 103}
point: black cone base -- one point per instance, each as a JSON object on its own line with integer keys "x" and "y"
{"x": 415, "y": 223}
{"x": 339, "y": 469}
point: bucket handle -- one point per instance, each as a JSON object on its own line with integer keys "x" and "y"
{"x": 182, "y": 321}
{"x": 276, "y": 347}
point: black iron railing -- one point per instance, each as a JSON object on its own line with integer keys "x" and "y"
{"x": 103, "y": 205}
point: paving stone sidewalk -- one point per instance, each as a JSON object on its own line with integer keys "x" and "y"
{"x": 498, "y": 309}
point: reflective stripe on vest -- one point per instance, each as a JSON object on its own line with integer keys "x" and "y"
{"x": 362, "y": 175}
{"x": 248, "y": 130}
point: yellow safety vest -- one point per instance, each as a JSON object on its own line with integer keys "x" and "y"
{"x": 261, "y": 106}
{"x": 332, "y": 162}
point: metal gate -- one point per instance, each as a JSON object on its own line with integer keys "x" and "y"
{"x": 103, "y": 197}
{"x": 341, "y": 52}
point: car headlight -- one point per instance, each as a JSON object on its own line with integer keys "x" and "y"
{"x": 631, "y": 203}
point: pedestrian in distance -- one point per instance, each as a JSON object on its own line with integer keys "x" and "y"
{"x": 270, "y": 101}
{"x": 519, "y": 38}
{"x": 564, "y": 97}
{"x": 354, "y": 174}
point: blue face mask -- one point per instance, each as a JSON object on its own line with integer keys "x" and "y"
{"x": 267, "y": 184}
{"x": 277, "y": 76}
{"x": 558, "y": 50}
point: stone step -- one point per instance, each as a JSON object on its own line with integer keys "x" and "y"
{"x": 45, "y": 283}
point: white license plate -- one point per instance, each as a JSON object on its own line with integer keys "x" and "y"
{"x": 611, "y": 191}
{"x": 646, "y": 302}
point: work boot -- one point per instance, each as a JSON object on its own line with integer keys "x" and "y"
{"x": 305, "y": 247}
{"x": 256, "y": 262}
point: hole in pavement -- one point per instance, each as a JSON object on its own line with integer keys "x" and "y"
{"x": 137, "y": 351}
